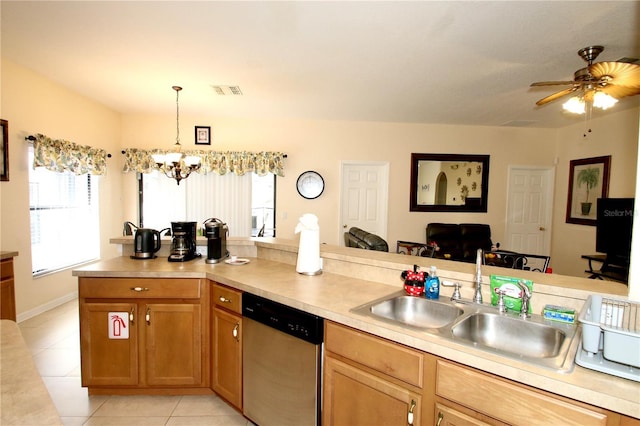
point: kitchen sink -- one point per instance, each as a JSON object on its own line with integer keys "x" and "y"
{"x": 534, "y": 340}
{"x": 509, "y": 334}
{"x": 413, "y": 311}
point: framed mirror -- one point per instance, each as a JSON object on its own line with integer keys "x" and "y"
{"x": 449, "y": 183}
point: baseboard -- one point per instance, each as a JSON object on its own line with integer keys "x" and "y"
{"x": 46, "y": 307}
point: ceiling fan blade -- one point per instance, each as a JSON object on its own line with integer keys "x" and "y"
{"x": 620, "y": 91}
{"x": 556, "y": 95}
{"x": 552, "y": 83}
{"x": 616, "y": 73}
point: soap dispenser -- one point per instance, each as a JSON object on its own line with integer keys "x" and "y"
{"x": 432, "y": 286}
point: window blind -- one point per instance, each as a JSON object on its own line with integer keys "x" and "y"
{"x": 64, "y": 219}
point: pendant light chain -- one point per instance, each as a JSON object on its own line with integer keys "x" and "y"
{"x": 177, "y": 89}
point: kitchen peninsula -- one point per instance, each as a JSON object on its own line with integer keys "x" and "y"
{"x": 353, "y": 277}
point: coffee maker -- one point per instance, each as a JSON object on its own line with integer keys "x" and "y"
{"x": 183, "y": 245}
{"x": 216, "y": 232}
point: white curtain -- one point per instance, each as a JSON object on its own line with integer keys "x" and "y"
{"x": 198, "y": 198}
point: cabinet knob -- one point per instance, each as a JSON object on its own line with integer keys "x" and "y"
{"x": 224, "y": 299}
{"x": 132, "y": 316}
{"x": 147, "y": 317}
{"x": 440, "y": 418}
{"x": 139, "y": 289}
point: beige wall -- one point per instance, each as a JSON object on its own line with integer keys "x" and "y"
{"x": 33, "y": 104}
{"x": 615, "y": 135}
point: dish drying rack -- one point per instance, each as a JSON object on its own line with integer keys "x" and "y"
{"x": 610, "y": 337}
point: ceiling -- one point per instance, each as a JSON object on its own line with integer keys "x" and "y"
{"x": 449, "y": 62}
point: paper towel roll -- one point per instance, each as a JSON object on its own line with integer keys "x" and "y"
{"x": 309, "y": 248}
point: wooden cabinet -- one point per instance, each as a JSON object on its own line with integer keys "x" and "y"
{"x": 7, "y": 290}
{"x": 166, "y": 322}
{"x": 226, "y": 340}
{"x": 510, "y": 402}
{"x": 369, "y": 380}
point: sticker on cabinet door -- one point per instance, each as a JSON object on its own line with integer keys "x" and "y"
{"x": 118, "y": 325}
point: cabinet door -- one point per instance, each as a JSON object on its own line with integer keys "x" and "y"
{"x": 105, "y": 360}
{"x": 173, "y": 344}
{"x": 354, "y": 397}
{"x": 227, "y": 356}
{"x": 447, "y": 416}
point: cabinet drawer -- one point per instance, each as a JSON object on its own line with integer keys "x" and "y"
{"x": 140, "y": 288}
{"x": 227, "y": 298}
{"x": 386, "y": 357}
{"x": 507, "y": 401}
{"x": 6, "y": 269}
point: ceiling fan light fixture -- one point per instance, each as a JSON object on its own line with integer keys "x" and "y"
{"x": 603, "y": 101}
{"x": 574, "y": 105}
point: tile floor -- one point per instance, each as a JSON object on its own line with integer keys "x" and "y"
{"x": 53, "y": 338}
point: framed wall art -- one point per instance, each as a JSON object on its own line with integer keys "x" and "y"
{"x": 203, "y": 135}
{"x": 4, "y": 151}
{"x": 588, "y": 181}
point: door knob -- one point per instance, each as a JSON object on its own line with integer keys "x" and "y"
{"x": 542, "y": 228}
{"x": 344, "y": 226}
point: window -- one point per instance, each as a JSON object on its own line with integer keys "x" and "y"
{"x": 244, "y": 203}
{"x": 64, "y": 219}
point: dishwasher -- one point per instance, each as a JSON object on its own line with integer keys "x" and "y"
{"x": 282, "y": 357}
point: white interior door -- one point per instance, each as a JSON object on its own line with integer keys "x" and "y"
{"x": 529, "y": 205}
{"x": 364, "y": 201}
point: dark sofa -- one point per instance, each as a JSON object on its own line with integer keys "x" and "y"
{"x": 461, "y": 241}
{"x": 358, "y": 238}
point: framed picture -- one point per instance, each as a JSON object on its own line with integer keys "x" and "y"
{"x": 203, "y": 135}
{"x": 588, "y": 181}
{"x": 4, "y": 151}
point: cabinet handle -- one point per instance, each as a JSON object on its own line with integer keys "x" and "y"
{"x": 139, "y": 289}
{"x": 147, "y": 317}
{"x": 132, "y": 315}
{"x": 440, "y": 418}
{"x": 410, "y": 415}
{"x": 235, "y": 332}
{"x": 224, "y": 299}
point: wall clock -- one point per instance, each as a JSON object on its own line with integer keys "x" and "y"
{"x": 310, "y": 185}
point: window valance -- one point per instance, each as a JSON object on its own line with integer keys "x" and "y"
{"x": 60, "y": 155}
{"x": 220, "y": 162}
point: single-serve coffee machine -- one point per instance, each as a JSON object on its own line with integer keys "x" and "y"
{"x": 216, "y": 232}
{"x": 183, "y": 245}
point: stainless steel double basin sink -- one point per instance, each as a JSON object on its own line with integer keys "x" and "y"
{"x": 533, "y": 340}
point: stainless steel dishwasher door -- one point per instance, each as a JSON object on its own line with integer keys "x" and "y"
{"x": 281, "y": 377}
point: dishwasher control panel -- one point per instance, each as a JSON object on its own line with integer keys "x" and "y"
{"x": 292, "y": 321}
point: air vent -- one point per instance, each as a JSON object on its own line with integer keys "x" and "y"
{"x": 518, "y": 123}
{"x": 227, "y": 90}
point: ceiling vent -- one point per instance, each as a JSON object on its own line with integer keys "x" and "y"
{"x": 227, "y": 90}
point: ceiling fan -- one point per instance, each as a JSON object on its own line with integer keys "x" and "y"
{"x": 616, "y": 79}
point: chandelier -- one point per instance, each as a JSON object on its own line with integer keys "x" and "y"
{"x": 176, "y": 165}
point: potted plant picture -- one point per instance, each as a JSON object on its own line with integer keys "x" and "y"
{"x": 589, "y": 177}
{"x": 588, "y": 181}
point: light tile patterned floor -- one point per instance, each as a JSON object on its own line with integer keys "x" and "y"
{"x": 53, "y": 338}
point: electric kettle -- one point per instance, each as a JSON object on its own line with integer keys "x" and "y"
{"x": 146, "y": 243}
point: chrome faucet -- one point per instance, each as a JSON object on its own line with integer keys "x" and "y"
{"x": 526, "y": 297}
{"x": 477, "y": 297}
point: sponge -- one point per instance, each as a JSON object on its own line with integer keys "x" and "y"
{"x": 558, "y": 313}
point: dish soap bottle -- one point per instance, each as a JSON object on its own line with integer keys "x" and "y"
{"x": 432, "y": 285}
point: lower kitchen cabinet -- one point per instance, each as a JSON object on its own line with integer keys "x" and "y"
{"x": 7, "y": 290}
{"x": 144, "y": 334}
{"x": 370, "y": 380}
{"x": 226, "y": 372}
